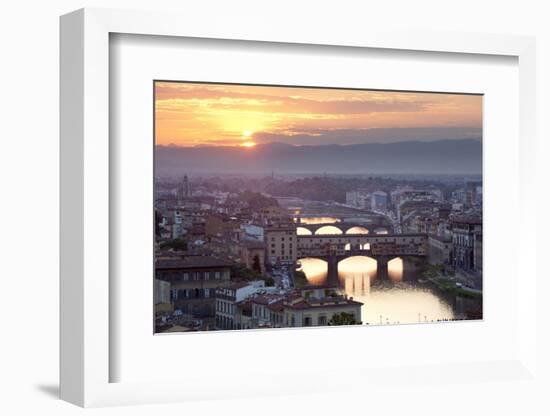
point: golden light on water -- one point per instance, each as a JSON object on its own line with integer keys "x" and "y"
{"x": 391, "y": 302}
{"x": 357, "y": 286}
{"x": 315, "y": 270}
{"x": 357, "y": 265}
{"x": 395, "y": 270}
{"x": 328, "y": 230}
{"x": 248, "y": 144}
{"x": 397, "y": 305}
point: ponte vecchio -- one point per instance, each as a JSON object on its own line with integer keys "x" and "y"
{"x": 333, "y": 248}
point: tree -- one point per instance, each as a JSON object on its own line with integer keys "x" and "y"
{"x": 239, "y": 273}
{"x": 256, "y": 266}
{"x": 300, "y": 279}
{"x": 343, "y": 318}
{"x": 257, "y": 200}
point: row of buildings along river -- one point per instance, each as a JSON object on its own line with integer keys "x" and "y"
{"x": 389, "y": 256}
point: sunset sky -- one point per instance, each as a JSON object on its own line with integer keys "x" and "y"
{"x": 189, "y": 114}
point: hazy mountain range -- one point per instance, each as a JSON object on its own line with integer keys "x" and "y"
{"x": 416, "y": 157}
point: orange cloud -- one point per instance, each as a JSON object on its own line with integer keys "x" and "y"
{"x": 192, "y": 114}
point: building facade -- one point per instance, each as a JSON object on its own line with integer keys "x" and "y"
{"x": 309, "y": 306}
{"x": 440, "y": 250}
{"x": 316, "y": 306}
{"x": 227, "y": 299}
{"x": 193, "y": 283}
{"x": 281, "y": 243}
{"x": 359, "y": 198}
{"x": 252, "y": 254}
{"x": 464, "y": 231}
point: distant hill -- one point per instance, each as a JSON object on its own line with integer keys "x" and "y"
{"x": 415, "y": 157}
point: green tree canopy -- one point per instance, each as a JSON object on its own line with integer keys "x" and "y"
{"x": 300, "y": 279}
{"x": 343, "y": 318}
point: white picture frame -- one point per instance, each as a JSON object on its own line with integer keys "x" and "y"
{"x": 86, "y": 355}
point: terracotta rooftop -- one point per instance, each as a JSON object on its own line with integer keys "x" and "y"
{"x": 251, "y": 244}
{"x": 190, "y": 262}
{"x": 305, "y": 304}
{"x": 466, "y": 219}
{"x": 237, "y": 285}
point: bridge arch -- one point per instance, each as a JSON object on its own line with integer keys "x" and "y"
{"x": 395, "y": 269}
{"x": 328, "y": 230}
{"x": 357, "y": 265}
{"x": 357, "y": 229}
{"x": 303, "y": 231}
{"x": 315, "y": 269}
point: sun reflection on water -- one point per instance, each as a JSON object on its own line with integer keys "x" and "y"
{"x": 384, "y": 301}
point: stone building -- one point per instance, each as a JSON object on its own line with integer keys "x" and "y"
{"x": 193, "y": 282}
{"x": 281, "y": 243}
{"x": 315, "y": 306}
{"x": 440, "y": 249}
{"x": 227, "y": 299}
{"x": 216, "y": 225}
{"x": 252, "y": 254}
{"x": 464, "y": 229}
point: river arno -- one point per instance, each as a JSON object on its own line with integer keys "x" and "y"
{"x": 399, "y": 298}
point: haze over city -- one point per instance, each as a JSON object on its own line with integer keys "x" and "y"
{"x": 285, "y": 207}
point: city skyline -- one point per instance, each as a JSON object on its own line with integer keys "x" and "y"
{"x": 280, "y": 207}
{"x": 196, "y": 114}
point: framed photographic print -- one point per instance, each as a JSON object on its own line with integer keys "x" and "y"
{"x": 314, "y": 213}
{"x": 286, "y": 207}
